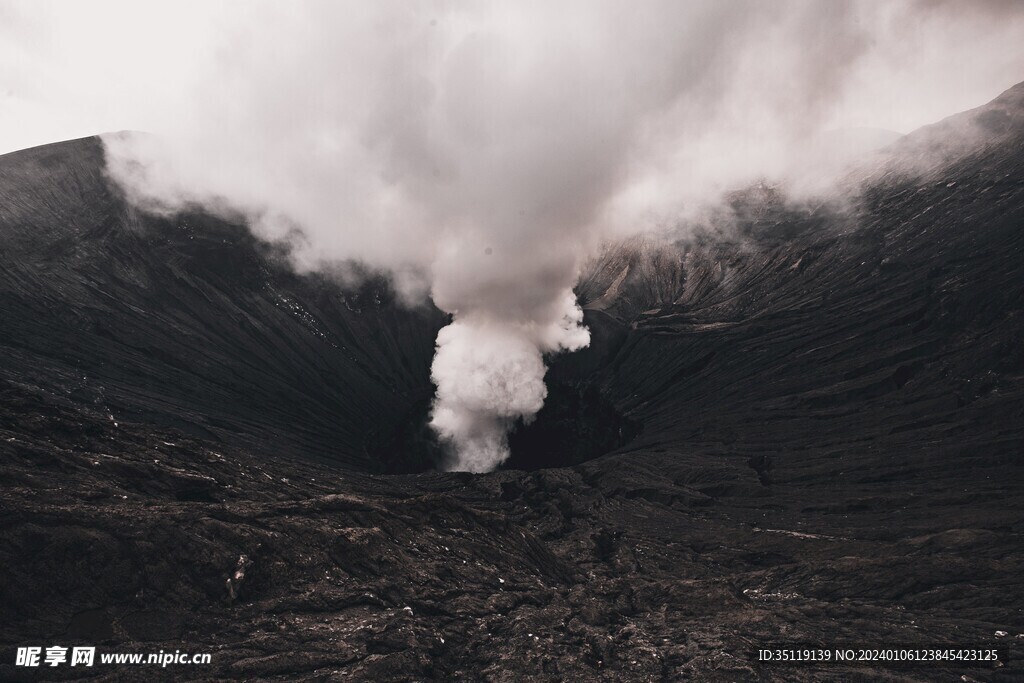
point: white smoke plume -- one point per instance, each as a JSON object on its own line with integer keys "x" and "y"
{"x": 490, "y": 372}
{"x": 480, "y": 151}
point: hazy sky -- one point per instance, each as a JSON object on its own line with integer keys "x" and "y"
{"x": 77, "y": 67}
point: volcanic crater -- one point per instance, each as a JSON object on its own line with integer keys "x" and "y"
{"x": 805, "y": 420}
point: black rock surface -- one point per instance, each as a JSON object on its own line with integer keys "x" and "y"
{"x": 819, "y": 426}
{"x": 191, "y": 322}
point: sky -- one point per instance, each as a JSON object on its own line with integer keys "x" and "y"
{"x": 71, "y": 68}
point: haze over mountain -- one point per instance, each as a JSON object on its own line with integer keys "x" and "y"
{"x": 809, "y": 416}
{"x": 478, "y": 154}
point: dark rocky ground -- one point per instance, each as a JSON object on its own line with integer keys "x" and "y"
{"x": 818, "y": 417}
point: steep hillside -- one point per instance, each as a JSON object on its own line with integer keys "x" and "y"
{"x": 893, "y": 322}
{"x": 190, "y": 322}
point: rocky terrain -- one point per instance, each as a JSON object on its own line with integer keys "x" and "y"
{"x": 802, "y": 422}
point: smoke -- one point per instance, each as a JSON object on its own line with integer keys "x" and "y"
{"x": 479, "y": 152}
{"x": 491, "y": 372}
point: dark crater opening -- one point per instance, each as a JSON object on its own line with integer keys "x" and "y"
{"x": 576, "y": 424}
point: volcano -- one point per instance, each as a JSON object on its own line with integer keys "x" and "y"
{"x": 803, "y": 423}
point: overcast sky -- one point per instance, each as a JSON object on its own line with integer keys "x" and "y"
{"x": 78, "y": 67}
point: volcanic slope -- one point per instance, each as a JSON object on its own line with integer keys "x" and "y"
{"x": 825, "y": 413}
{"x": 190, "y": 322}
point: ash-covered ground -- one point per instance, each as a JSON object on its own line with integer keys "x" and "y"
{"x": 804, "y": 426}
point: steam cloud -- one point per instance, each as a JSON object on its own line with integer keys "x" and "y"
{"x": 479, "y": 152}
